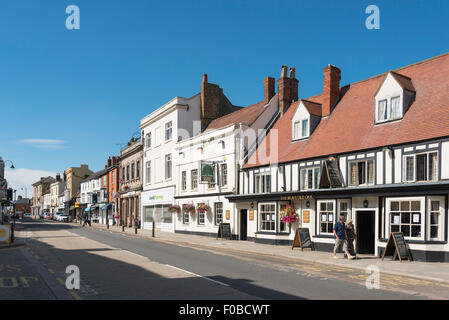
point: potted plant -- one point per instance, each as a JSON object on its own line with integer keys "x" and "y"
{"x": 202, "y": 208}
{"x": 174, "y": 208}
{"x": 188, "y": 208}
{"x": 289, "y": 215}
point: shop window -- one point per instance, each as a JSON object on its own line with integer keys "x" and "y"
{"x": 218, "y": 206}
{"x": 167, "y": 216}
{"x": 310, "y": 178}
{"x": 406, "y": 217}
{"x": 326, "y": 216}
{"x": 267, "y": 216}
{"x": 282, "y": 225}
{"x": 149, "y": 214}
{"x": 421, "y": 167}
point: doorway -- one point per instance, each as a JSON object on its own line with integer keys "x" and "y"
{"x": 365, "y": 232}
{"x": 243, "y": 224}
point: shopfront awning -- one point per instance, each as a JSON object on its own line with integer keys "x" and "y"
{"x": 107, "y": 206}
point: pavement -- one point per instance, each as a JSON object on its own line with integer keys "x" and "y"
{"x": 430, "y": 271}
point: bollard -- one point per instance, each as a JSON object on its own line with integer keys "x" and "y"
{"x": 154, "y": 227}
{"x": 123, "y": 227}
{"x": 12, "y": 233}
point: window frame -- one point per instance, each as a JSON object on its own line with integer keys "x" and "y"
{"x": 168, "y": 166}
{"x": 441, "y": 218}
{"x": 260, "y": 182}
{"x": 184, "y": 180}
{"x": 192, "y": 180}
{"x": 168, "y": 129}
{"x": 390, "y": 213}
{"x": 148, "y": 172}
{"x": 415, "y": 166}
{"x": 260, "y": 213}
{"x": 357, "y": 162}
{"x": 148, "y": 140}
{"x": 298, "y": 134}
{"x": 217, "y": 220}
{"x": 224, "y": 174}
{"x": 329, "y": 213}
{"x": 315, "y": 183}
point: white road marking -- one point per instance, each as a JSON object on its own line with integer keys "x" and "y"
{"x": 200, "y": 276}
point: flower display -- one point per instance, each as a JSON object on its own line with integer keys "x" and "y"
{"x": 174, "y": 208}
{"x": 202, "y": 208}
{"x": 188, "y": 208}
{"x": 288, "y": 214}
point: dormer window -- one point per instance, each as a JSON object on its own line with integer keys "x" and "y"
{"x": 301, "y": 129}
{"x": 393, "y": 98}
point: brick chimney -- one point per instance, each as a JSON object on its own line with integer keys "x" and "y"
{"x": 58, "y": 177}
{"x": 109, "y": 162}
{"x": 331, "y": 89}
{"x": 268, "y": 89}
{"x": 288, "y": 89}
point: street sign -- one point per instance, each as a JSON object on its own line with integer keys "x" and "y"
{"x": 5, "y": 234}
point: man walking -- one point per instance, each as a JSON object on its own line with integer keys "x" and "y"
{"x": 340, "y": 238}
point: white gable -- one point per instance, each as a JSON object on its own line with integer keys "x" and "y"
{"x": 390, "y": 88}
{"x": 391, "y": 96}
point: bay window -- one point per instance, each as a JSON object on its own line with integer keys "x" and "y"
{"x": 361, "y": 173}
{"x": 421, "y": 167}
{"x": 310, "y": 178}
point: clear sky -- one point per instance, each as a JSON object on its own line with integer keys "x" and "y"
{"x": 70, "y": 96}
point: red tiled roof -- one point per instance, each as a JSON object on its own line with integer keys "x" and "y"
{"x": 312, "y": 107}
{"x": 350, "y": 127}
{"x": 246, "y": 116}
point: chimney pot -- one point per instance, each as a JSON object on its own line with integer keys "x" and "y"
{"x": 284, "y": 71}
{"x": 292, "y": 73}
{"x": 205, "y": 78}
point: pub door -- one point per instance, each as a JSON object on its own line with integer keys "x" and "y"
{"x": 243, "y": 224}
{"x": 365, "y": 232}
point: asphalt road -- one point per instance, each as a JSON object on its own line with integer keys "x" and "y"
{"x": 116, "y": 266}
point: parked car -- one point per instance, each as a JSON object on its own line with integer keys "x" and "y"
{"x": 27, "y": 215}
{"x": 56, "y": 215}
{"x": 49, "y": 216}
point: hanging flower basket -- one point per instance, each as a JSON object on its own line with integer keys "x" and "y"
{"x": 174, "y": 209}
{"x": 188, "y": 208}
{"x": 202, "y": 208}
{"x": 288, "y": 214}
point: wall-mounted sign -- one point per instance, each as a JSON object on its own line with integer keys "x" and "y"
{"x": 207, "y": 172}
{"x": 306, "y": 216}
{"x": 302, "y": 197}
{"x": 228, "y": 214}
{"x": 77, "y": 204}
{"x": 251, "y": 215}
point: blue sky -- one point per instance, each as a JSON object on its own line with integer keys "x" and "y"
{"x": 86, "y": 90}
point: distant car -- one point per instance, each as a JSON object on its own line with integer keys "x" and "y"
{"x": 27, "y": 215}
{"x": 56, "y": 215}
{"x": 48, "y": 216}
{"x": 64, "y": 217}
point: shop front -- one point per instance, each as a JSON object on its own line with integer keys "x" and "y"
{"x": 155, "y": 208}
{"x": 420, "y": 212}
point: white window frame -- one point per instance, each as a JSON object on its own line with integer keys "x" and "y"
{"x": 280, "y": 224}
{"x": 367, "y": 182}
{"x": 184, "y": 180}
{"x": 192, "y": 180}
{"x": 348, "y": 213}
{"x": 260, "y": 180}
{"x": 378, "y": 120}
{"x": 168, "y": 166}
{"x": 217, "y": 207}
{"x": 315, "y": 184}
{"x": 201, "y": 218}
{"x": 298, "y": 128}
{"x": 148, "y": 140}
{"x": 224, "y": 174}
{"x": 259, "y": 211}
{"x": 389, "y": 214}
{"x": 414, "y": 156}
{"x": 328, "y": 213}
{"x": 168, "y": 131}
{"x": 148, "y": 172}
{"x": 441, "y": 218}
{"x": 185, "y": 218}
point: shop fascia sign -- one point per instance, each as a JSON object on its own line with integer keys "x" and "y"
{"x": 301, "y": 197}
{"x": 152, "y": 198}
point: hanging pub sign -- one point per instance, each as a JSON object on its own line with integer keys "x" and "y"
{"x": 207, "y": 172}
{"x": 397, "y": 247}
{"x": 224, "y": 231}
{"x": 302, "y": 239}
{"x": 331, "y": 176}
